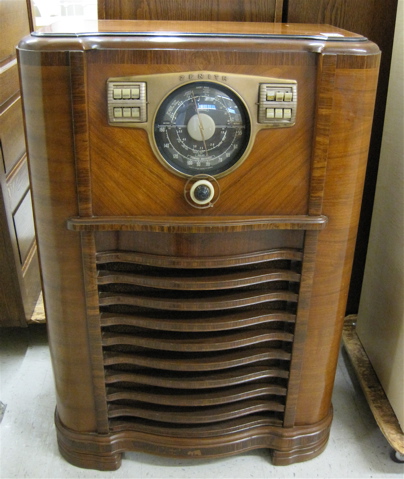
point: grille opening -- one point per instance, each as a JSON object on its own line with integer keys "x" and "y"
{"x": 287, "y": 327}
{"x": 268, "y": 334}
{"x": 277, "y": 403}
{"x": 272, "y": 306}
{"x": 194, "y": 415}
{"x": 126, "y": 267}
{"x": 134, "y": 393}
{"x": 171, "y": 386}
{"x": 270, "y": 346}
{"x": 124, "y": 288}
{"x": 275, "y": 369}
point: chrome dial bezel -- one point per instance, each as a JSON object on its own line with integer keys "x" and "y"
{"x": 177, "y": 141}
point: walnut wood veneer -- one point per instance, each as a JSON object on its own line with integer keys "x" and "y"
{"x": 195, "y": 332}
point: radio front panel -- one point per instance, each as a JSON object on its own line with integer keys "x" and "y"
{"x": 196, "y": 199}
{"x": 201, "y": 123}
{"x": 223, "y": 127}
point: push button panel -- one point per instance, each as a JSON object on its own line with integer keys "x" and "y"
{"x": 277, "y": 103}
{"x": 133, "y": 101}
{"x": 127, "y": 102}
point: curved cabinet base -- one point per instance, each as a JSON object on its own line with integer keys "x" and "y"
{"x": 103, "y": 451}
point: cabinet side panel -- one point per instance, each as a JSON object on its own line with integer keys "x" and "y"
{"x": 352, "y": 111}
{"x": 46, "y": 91}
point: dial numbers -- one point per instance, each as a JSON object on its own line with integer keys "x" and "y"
{"x": 202, "y": 127}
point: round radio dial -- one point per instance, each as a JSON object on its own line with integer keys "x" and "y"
{"x": 202, "y": 127}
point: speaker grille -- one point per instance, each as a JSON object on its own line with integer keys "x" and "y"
{"x": 197, "y": 347}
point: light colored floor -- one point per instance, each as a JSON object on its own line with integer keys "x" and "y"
{"x": 28, "y": 449}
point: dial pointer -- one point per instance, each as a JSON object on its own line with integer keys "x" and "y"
{"x": 200, "y": 123}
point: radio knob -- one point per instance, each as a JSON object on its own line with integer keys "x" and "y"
{"x": 202, "y": 192}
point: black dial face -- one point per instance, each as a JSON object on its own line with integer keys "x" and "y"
{"x": 202, "y": 128}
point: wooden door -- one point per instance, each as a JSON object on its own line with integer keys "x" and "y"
{"x": 19, "y": 271}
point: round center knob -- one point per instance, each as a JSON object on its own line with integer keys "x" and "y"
{"x": 201, "y": 127}
{"x": 202, "y": 192}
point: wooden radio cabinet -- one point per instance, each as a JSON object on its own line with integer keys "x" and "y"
{"x": 196, "y": 189}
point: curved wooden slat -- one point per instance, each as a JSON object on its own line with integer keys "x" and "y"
{"x": 208, "y": 363}
{"x": 202, "y": 381}
{"x": 200, "y": 344}
{"x": 234, "y": 320}
{"x": 195, "y": 263}
{"x": 199, "y": 283}
{"x": 200, "y": 430}
{"x": 196, "y": 416}
{"x": 214, "y": 303}
{"x": 195, "y": 399}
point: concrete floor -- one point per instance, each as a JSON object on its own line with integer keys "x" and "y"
{"x": 28, "y": 448}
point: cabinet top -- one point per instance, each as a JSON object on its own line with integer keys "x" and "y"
{"x": 90, "y": 35}
{"x": 188, "y": 28}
